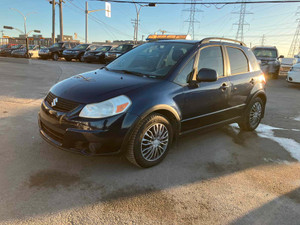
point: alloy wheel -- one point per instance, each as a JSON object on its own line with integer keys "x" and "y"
{"x": 155, "y": 142}
{"x": 255, "y": 114}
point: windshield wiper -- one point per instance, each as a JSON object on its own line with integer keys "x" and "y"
{"x": 131, "y": 72}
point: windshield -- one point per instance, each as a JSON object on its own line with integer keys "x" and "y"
{"x": 153, "y": 59}
{"x": 16, "y": 46}
{"x": 264, "y": 52}
{"x": 81, "y": 47}
{"x": 56, "y": 45}
{"x": 120, "y": 48}
{"x": 103, "y": 48}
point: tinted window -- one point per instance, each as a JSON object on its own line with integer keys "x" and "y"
{"x": 185, "y": 72}
{"x": 212, "y": 58}
{"x": 155, "y": 58}
{"x": 238, "y": 61}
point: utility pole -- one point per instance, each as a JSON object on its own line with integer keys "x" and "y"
{"x": 263, "y": 40}
{"x": 61, "y": 19}
{"x": 193, "y": 10}
{"x": 241, "y": 23}
{"x": 295, "y": 45}
{"x": 53, "y": 20}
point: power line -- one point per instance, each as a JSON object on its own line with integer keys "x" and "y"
{"x": 204, "y": 3}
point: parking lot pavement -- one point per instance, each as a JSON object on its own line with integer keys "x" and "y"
{"x": 222, "y": 176}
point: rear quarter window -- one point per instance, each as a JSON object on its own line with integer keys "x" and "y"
{"x": 253, "y": 61}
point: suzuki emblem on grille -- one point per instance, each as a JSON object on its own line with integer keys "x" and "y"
{"x": 54, "y": 102}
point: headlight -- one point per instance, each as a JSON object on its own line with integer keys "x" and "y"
{"x": 107, "y": 108}
{"x": 118, "y": 55}
{"x": 106, "y": 54}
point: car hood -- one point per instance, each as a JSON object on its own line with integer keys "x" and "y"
{"x": 99, "y": 85}
{"x": 95, "y": 52}
{"x": 114, "y": 52}
{"x": 54, "y": 49}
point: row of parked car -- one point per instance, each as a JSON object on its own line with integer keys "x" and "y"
{"x": 68, "y": 51}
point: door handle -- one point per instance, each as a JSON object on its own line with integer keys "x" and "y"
{"x": 252, "y": 81}
{"x": 224, "y": 86}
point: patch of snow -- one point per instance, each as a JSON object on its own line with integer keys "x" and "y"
{"x": 266, "y": 131}
{"x": 297, "y": 118}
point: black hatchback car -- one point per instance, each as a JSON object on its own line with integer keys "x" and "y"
{"x": 116, "y": 52}
{"x": 96, "y": 55}
{"x": 78, "y": 52}
{"x": 7, "y": 51}
{"x": 142, "y": 101}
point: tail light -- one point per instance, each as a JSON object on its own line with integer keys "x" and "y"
{"x": 262, "y": 78}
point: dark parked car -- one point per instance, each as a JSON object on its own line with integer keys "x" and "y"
{"x": 56, "y": 50}
{"x": 33, "y": 51}
{"x": 7, "y": 51}
{"x": 116, "y": 52}
{"x": 269, "y": 59}
{"x": 78, "y": 51}
{"x": 97, "y": 55}
{"x": 143, "y": 100}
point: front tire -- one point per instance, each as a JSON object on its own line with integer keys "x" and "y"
{"x": 150, "y": 141}
{"x": 253, "y": 115}
{"x": 81, "y": 58}
{"x": 55, "y": 56}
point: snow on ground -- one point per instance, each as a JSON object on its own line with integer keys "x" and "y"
{"x": 266, "y": 131}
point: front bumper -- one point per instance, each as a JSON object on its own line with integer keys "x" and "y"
{"x": 270, "y": 68}
{"x": 293, "y": 77}
{"x": 71, "y": 55}
{"x": 84, "y": 136}
{"x": 92, "y": 58}
{"x": 45, "y": 54}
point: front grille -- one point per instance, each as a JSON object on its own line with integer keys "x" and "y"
{"x": 62, "y": 104}
{"x": 51, "y": 133}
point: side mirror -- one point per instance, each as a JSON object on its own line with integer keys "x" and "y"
{"x": 281, "y": 57}
{"x": 207, "y": 75}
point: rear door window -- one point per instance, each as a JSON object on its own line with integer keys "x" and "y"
{"x": 238, "y": 61}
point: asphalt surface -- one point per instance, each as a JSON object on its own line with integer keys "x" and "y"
{"x": 222, "y": 176}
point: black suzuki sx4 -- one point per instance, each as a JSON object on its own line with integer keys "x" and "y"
{"x": 142, "y": 101}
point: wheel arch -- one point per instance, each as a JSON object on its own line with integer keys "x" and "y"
{"x": 165, "y": 110}
{"x": 262, "y": 95}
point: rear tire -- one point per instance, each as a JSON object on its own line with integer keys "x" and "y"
{"x": 253, "y": 115}
{"x": 150, "y": 141}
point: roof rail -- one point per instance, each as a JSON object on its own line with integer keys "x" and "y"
{"x": 207, "y": 40}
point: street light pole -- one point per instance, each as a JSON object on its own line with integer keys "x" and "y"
{"x": 87, "y": 11}
{"x": 25, "y": 30}
{"x": 136, "y": 25}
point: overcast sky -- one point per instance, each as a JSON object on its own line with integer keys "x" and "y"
{"x": 276, "y": 21}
